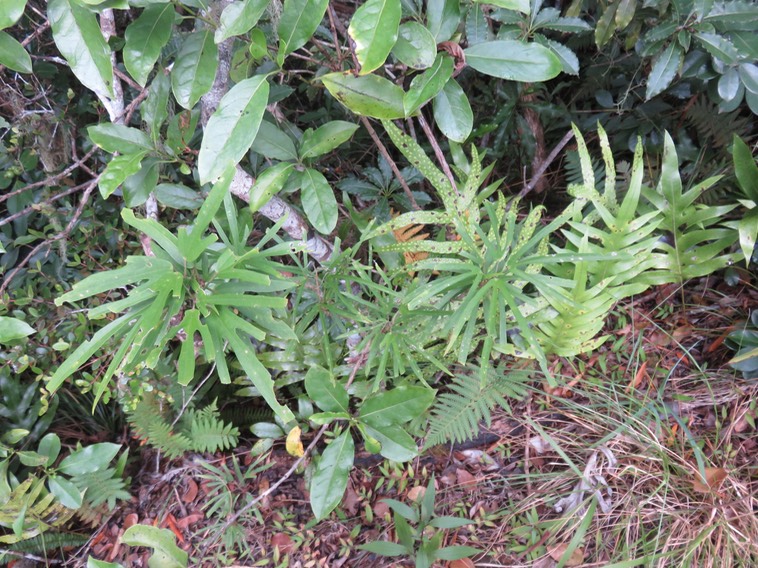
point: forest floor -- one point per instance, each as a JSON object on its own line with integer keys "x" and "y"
{"x": 646, "y": 455}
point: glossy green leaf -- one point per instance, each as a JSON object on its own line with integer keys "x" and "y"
{"x": 415, "y": 46}
{"x": 195, "y": 68}
{"x": 719, "y": 47}
{"x": 449, "y": 522}
{"x": 477, "y": 27}
{"x": 747, "y": 228}
{"x": 329, "y": 480}
{"x": 664, "y": 69}
{"x": 178, "y": 196}
{"x": 606, "y": 25}
{"x": 11, "y": 12}
{"x": 396, "y": 444}
{"x": 89, "y": 459}
{"x": 625, "y": 13}
{"x": 155, "y": 108}
{"x": 117, "y": 171}
{"x": 517, "y": 5}
{"x": 238, "y": 18}
{"x": 452, "y": 112}
{"x": 318, "y": 201}
{"x": 119, "y": 138}
{"x": 569, "y": 60}
{"x": 427, "y": 85}
{"x": 66, "y": 492}
{"x": 374, "y": 29}
{"x": 325, "y": 391}
{"x": 729, "y": 84}
{"x": 269, "y": 183}
{"x": 395, "y": 406}
{"x": 80, "y": 41}
{"x": 145, "y": 38}
{"x": 749, "y": 75}
{"x": 369, "y": 95}
{"x": 325, "y": 138}
{"x": 12, "y": 437}
{"x": 231, "y": 130}
{"x": 297, "y": 24}
{"x": 31, "y": 459}
{"x": 95, "y": 563}
{"x": 13, "y": 55}
{"x": 50, "y": 446}
{"x": 273, "y": 143}
{"x": 443, "y": 18}
{"x": 12, "y": 328}
{"x": 455, "y": 552}
{"x": 514, "y": 60}
{"x": 321, "y": 418}
{"x": 167, "y": 554}
{"x": 384, "y": 548}
{"x": 137, "y": 187}
{"x": 745, "y": 168}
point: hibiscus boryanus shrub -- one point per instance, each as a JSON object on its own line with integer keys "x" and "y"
{"x": 314, "y": 213}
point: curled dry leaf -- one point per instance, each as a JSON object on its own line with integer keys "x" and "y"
{"x": 283, "y": 542}
{"x": 416, "y": 493}
{"x": 130, "y": 520}
{"x": 461, "y": 563}
{"x": 714, "y": 477}
{"x": 191, "y": 492}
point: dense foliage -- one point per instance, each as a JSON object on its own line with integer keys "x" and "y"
{"x": 344, "y": 218}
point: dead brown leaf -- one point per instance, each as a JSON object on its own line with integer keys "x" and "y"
{"x": 416, "y": 493}
{"x": 461, "y": 563}
{"x": 381, "y": 509}
{"x": 130, "y": 520}
{"x": 556, "y": 552}
{"x": 465, "y": 479}
{"x": 714, "y": 477}
{"x": 283, "y": 542}
{"x": 191, "y": 492}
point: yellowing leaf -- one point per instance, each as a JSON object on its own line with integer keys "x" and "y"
{"x": 294, "y": 444}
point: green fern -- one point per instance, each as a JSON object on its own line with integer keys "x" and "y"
{"x": 39, "y": 510}
{"x": 197, "y": 431}
{"x": 457, "y": 414}
{"x": 40, "y": 544}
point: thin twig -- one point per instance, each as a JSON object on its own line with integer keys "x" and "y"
{"x": 437, "y": 150}
{"x": 36, "y": 206}
{"x": 544, "y": 165}
{"x": 393, "y": 166}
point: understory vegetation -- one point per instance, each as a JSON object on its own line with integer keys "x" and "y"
{"x": 400, "y": 283}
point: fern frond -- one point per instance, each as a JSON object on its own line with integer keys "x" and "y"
{"x": 456, "y": 415}
{"x": 210, "y": 434}
{"x": 41, "y": 543}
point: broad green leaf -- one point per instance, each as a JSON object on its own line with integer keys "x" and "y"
{"x": 89, "y": 459}
{"x": 31, "y": 459}
{"x": 80, "y": 41}
{"x": 517, "y": 5}
{"x": 12, "y": 437}
{"x": 195, "y": 68}
{"x": 269, "y": 183}
{"x": 329, "y": 480}
{"x": 66, "y": 492}
{"x": 369, "y": 95}
{"x": 606, "y": 25}
{"x": 12, "y": 328}
{"x": 395, "y": 406}
{"x": 325, "y": 138}
{"x": 273, "y": 143}
{"x": 665, "y": 67}
{"x": 374, "y": 29}
{"x": 178, "y": 196}
{"x": 452, "y": 112}
{"x": 50, "y": 446}
{"x": 569, "y": 60}
{"x": 119, "y": 138}
{"x": 719, "y": 47}
{"x": 455, "y": 552}
{"x": 321, "y": 418}
{"x": 749, "y": 75}
{"x": 297, "y": 24}
{"x": 325, "y": 391}
{"x": 13, "y": 55}
{"x": 117, "y": 171}
{"x": 625, "y": 13}
{"x": 145, "y": 38}
{"x": 318, "y": 201}
{"x": 95, "y": 563}
{"x": 747, "y": 227}
{"x": 745, "y": 168}
{"x": 396, "y": 444}
{"x": 163, "y": 541}
{"x": 477, "y": 27}
{"x": 155, "y": 108}
{"x": 11, "y": 12}
{"x": 193, "y": 244}
{"x": 729, "y": 84}
{"x": 514, "y": 60}
{"x": 443, "y": 18}
{"x": 427, "y": 85}
{"x": 232, "y": 128}
{"x": 449, "y": 522}
{"x": 267, "y": 430}
{"x": 415, "y": 46}
{"x": 137, "y": 187}
{"x": 238, "y": 18}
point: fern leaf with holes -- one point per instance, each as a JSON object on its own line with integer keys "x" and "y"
{"x": 457, "y": 414}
